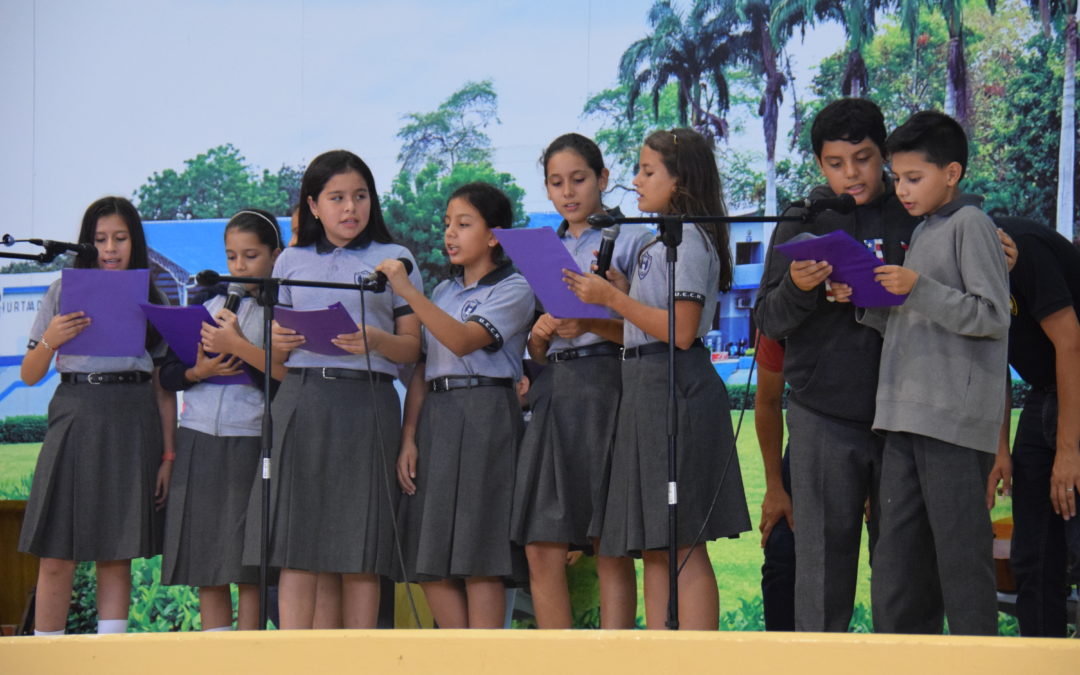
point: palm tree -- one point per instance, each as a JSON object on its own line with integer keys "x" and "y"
{"x": 1067, "y": 144}
{"x": 690, "y": 50}
{"x": 1046, "y": 11}
{"x": 957, "y": 94}
{"x": 855, "y": 16}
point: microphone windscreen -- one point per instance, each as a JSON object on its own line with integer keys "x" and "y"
{"x": 207, "y": 278}
{"x": 601, "y": 220}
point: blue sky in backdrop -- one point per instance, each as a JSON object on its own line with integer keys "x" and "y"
{"x": 99, "y": 95}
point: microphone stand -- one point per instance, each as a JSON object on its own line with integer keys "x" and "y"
{"x": 52, "y": 250}
{"x": 268, "y": 294}
{"x": 671, "y": 234}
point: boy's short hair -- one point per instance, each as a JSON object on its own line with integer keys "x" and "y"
{"x": 851, "y": 120}
{"x": 936, "y": 135}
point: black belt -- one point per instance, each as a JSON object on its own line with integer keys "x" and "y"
{"x": 599, "y": 349}
{"x": 123, "y": 377}
{"x": 465, "y": 381}
{"x": 656, "y": 348}
{"x": 343, "y": 374}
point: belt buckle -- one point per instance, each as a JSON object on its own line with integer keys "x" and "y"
{"x": 440, "y": 384}
{"x": 95, "y": 378}
{"x": 325, "y": 376}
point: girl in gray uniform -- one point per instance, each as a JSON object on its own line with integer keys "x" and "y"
{"x": 677, "y": 175}
{"x": 218, "y": 444}
{"x": 335, "y": 417}
{"x": 462, "y": 419}
{"x": 108, "y": 450}
{"x": 561, "y": 484}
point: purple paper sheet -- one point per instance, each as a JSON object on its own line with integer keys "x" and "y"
{"x": 541, "y": 257}
{"x": 318, "y": 326}
{"x": 111, "y": 299}
{"x": 182, "y": 329}
{"x": 853, "y": 264}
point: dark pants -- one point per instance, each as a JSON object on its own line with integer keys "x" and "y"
{"x": 1039, "y": 542}
{"x": 935, "y": 553}
{"x": 835, "y": 468}
{"x": 778, "y": 571}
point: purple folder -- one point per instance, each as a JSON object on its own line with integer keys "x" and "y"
{"x": 853, "y": 264}
{"x": 318, "y": 326}
{"x": 541, "y": 257}
{"x": 182, "y": 329}
{"x": 111, "y": 299}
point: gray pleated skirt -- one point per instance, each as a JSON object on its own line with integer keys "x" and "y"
{"x": 636, "y": 516}
{"x": 207, "y": 510}
{"x": 92, "y": 497}
{"x": 333, "y": 487}
{"x": 457, "y": 525}
{"x": 565, "y": 458}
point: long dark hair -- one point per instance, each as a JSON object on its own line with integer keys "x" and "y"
{"x": 690, "y": 159}
{"x": 108, "y": 206}
{"x": 319, "y": 172}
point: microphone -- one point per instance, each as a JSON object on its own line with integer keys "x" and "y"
{"x": 607, "y": 248}
{"x": 601, "y": 220}
{"x": 844, "y": 203}
{"x": 235, "y": 292}
{"x": 87, "y": 252}
{"x": 380, "y": 278}
{"x": 207, "y": 278}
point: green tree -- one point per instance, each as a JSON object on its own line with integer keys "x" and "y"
{"x": 1067, "y": 14}
{"x": 690, "y": 49}
{"x": 215, "y": 184}
{"x": 620, "y": 135}
{"x": 441, "y": 151}
{"x": 857, "y": 17}
{"x": 415, "y": 205}
{"x": 453, "y": 132}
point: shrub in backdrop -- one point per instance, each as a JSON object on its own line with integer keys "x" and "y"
{"x": 23, "y": 429}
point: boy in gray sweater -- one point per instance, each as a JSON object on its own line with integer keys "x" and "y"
{"x": 941, "y": 394}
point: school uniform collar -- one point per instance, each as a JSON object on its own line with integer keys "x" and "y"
{"x": 614, "y": 212}
{"x": 493, "y": 277}
{"x": 955, "y": 205}
{"x": 323, "y": 245}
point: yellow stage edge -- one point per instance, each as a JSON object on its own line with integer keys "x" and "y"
{"x": 524, "y": 652}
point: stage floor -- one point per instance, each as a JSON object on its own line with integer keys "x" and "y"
{"x": 524, "y": 652}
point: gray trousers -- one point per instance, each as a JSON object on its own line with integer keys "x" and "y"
{"x": 835, "y": 468}
{"x": 935, "y": 554}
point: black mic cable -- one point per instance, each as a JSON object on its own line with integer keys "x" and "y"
{"x": 727, "y": 463}
{"x": 387, "y": 484}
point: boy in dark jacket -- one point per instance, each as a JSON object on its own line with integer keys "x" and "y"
{"x": 831, "y": 364}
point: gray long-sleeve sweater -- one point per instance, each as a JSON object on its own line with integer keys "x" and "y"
{"x": 945, "y": 355}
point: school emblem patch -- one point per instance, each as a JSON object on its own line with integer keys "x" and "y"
{"x": 469, "y": 308}
{"x": 643, "y": 266}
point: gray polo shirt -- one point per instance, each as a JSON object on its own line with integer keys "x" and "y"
{"x": 348, "y": 265}
{"x": 697, "y": 276}
{"x": 72, "y": 363}
{"x": 228, "y": 409}
{"x": 503, "y": 304}
{"x": 631, "y": 239}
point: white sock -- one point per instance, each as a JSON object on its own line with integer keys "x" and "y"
{"x": 218, "y": 629}
{"x": 108, "y": 626}
{"x": 48, "y": 633}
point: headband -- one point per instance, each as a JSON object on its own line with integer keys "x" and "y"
{"x": 274, "y": 225}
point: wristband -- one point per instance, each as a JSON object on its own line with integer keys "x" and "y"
{"x": 168, "y": 456}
